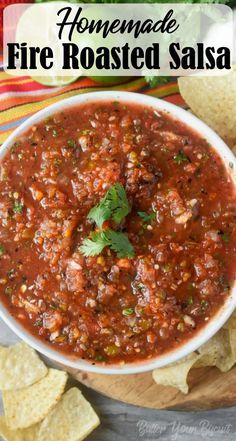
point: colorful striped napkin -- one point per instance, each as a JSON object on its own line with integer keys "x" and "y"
{"x": 20, "y": 97}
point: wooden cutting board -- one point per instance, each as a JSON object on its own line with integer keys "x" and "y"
{"x": 209, "y": 389}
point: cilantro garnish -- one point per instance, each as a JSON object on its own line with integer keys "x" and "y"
{"x": 117, "y": 241}
{"x": 18, "y": 207}
{"x": 2, "y": 249}
{"x": 114, "y": 206}
{"x": 146, "y": 217}
{"x": 154, "y": 81}
{"x": 180, "y": 158}
{"x": 94, "y": 245}
{"x": 120, "y": 243}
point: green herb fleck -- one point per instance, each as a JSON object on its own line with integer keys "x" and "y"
{"x": 128, "y": 311}
{"x": 226, "y": 237}
{"x": 190, "y": 300}
{"x": 99, "y": 358}
{"x": 71, "y": 143}
{"x": 146, "y": 217}
{"x": 18, "y": 207}
{"x": 180, "y": 158}
{"x": 2, "y": 249}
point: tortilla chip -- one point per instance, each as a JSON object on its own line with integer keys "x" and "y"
{"x": 20, "y": 366}
{"x": 176, "y": 374}
{"x": 7, "y": 434}
{"x": 232, "y": 340}
{"x": 28, "y": 406}
{"x": 216, "y": 352}
{"x": 225, "y": 360}
{"x": 231, "y": 323}
{"x": 73, "y": 419}
{"x": 213, "y": 99}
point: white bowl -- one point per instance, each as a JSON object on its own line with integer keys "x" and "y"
{"x": 225, "y": 311}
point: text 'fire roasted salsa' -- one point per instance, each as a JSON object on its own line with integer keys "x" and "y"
{"x": 117, "y": 232}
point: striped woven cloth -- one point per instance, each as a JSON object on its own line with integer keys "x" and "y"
{"x": 20, "y": 97}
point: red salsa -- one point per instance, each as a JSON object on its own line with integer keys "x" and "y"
{"x": 117, "y": 232}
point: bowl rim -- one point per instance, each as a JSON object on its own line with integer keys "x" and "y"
{"x": 222, "y": 315}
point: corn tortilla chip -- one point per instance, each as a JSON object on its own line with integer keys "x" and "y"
{"x": 20, "y": 366}
{"x": 176, "y": 374}
{"x": 232, "y": 340}
{"x": 73, "y": 419}
{"x": 216, "y": 352}
{"x": 7, "y": 434}
{"x": 28, "y": 406}
{"x": 231, "y": 323}
{"x": 213, "y": 99}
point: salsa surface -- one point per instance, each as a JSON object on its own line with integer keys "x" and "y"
{"x": 181, "y": 224}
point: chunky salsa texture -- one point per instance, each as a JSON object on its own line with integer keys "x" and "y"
{"x": 180, "y": 225}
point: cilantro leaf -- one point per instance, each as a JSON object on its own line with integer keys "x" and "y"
{"x": 95, "y": 245}
{"x": 2, "y": 249}
{"x": 113, "y": 206}
{"x": 118, "y": 242}
{"x": 117, "y": 201}
{"x": 99, "y": 214}
{"x": 146, "y": 217}
{"x": 154, "y": 81}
